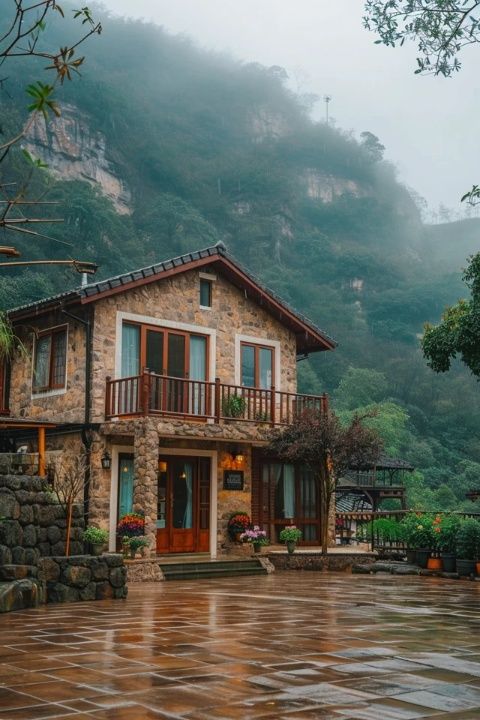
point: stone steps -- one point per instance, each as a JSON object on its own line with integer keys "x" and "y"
{"x": 212, "y": 569}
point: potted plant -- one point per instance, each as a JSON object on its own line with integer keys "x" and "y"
{"x": 468, "y": 542}
{"x": 131, "y": 525}
{"x": 256, "y": 537}
{"x": 447, "y": 539}
{"x": 434, "y": 561}
{"x": 233, "y": 406}
{"x": 423, "y": 539}
{"x": 96, "y": 539}
{"x": 137, "y": 543}
{"x": 290, "y": 535}
{"x": 237, "y": 525}
{"x": 409, "y": 524}
{"x": 125, "y": 546}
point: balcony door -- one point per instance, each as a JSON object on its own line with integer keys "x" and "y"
{"x": 173, "y": 357}
{"x": 183, "y": 518}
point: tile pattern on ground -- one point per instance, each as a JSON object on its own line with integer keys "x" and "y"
{"x": 289, "y": 646}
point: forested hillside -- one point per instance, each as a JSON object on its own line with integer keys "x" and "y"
{"x": 164, "y": 148}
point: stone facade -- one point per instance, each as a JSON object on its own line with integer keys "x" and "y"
{"x": 176, "y": 300}
{"x": 60, "y": 406}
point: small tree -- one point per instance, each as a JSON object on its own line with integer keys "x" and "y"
{"x": 319, "y": 441}
{"x": 69, "y": 483}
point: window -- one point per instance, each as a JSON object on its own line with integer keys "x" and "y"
{"x": 257, "y": 366}
{"x": 205, "y": 293}
{"x": 50, "y": 360}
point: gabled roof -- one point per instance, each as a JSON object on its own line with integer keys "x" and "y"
{"x": 309, "y": 337}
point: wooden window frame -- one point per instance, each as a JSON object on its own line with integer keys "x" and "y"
{"x": 256, "y": 363}
{"x": 3, "y": 388}
{"x": 145, "y": 327}
{"x": 53, "y": 333}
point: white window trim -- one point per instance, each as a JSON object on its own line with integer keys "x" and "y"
{"x": 117, "y": 450}
{"x": 55, "y": 391}
{"x": 169, "y": 324}
{"x": 211, "y": 279}
{"x": 213, "y": 455}
{"x": 274, "y": 344}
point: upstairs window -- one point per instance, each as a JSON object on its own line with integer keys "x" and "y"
{"x": 205, "y": 293}
{"x": 257, "y": 366}
{"x": 49, "y": 371}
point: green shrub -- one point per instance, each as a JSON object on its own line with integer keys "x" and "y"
{"x": 95, "y": 536}
{"x": 468, "y": 540}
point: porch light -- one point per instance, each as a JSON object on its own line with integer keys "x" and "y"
{"x": 106, "y": 460}
{"x": 237, "y": 456}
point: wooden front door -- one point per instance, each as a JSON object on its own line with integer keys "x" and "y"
{"x": 183, "y": 524}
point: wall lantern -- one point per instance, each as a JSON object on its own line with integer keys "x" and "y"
{"x": 106, "y": 460}
{"x": 237, "y": 456}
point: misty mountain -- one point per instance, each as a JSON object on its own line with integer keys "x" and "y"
{"x": 163, "y": 148}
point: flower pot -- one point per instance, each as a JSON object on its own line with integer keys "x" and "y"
{"x": 465, "y": 567}
{"x": 291, "y": 547}
{"x": 132, "y": 553}
{"x": 434, "y": 563}
{"x": 237, "y": 537}
{"x": 96, "y": 548}
{"x": 411, "y": 556}
{"x": 449, "y": 562}
{"x": 477, "y": 568}
{"x": 421, "y": 557}
{"x": 257, "y": 548}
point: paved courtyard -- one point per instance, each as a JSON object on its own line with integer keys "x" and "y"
{"x": 293, "y": 646}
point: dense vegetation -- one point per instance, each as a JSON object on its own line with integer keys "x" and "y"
{"x": 214, "y": 149}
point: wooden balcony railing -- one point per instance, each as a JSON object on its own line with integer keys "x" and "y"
{"x": 151, "y": 394}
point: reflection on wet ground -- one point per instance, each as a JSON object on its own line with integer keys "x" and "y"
{"x": 293, "y": 646}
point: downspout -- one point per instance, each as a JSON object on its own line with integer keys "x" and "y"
{"x": 86, "y": 433}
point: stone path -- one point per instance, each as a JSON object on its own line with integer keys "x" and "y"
{"x": 289, "y": 646}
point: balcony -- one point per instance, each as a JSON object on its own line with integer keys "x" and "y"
{"x": 151, "y": 394}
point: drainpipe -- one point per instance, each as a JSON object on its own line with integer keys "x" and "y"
{"x": 86, "y": 434}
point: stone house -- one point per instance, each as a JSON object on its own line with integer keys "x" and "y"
{"x": 172, "y": 378}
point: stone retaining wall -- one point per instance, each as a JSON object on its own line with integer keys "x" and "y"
{"x": 33, "y": 569}
{"x": 316, "y": 561}
{"x": 83, "y": 577}
{"x": 32, "y": 525}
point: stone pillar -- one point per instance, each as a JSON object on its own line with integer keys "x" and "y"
{"x": 145, "y": 488}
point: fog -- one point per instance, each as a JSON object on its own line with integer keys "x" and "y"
{"x": 427, "y": 124}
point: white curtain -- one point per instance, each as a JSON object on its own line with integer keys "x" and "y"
{"x": 127, "y": 397}
{"x": 188, "y": 515}
{"x": 42, "y": 362}
{"x": 130, "y": 350}
{"x": 289, "y": 491}
{"x": 198, "y": 371}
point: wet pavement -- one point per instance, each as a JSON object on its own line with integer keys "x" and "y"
{"x": 290, "y": 646}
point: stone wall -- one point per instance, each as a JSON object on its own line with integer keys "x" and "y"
{"x": 317, "y": 561}
{"x": 57, "y": 405}
{"x": 83, "y": 577}
{"x": 33, "y": 526}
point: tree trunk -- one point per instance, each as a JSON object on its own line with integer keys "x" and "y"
{"x": 324, "y": 509}
{"x": 69, "y": 528}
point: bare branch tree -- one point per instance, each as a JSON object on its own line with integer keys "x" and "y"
{"x": 69, "y": 482}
